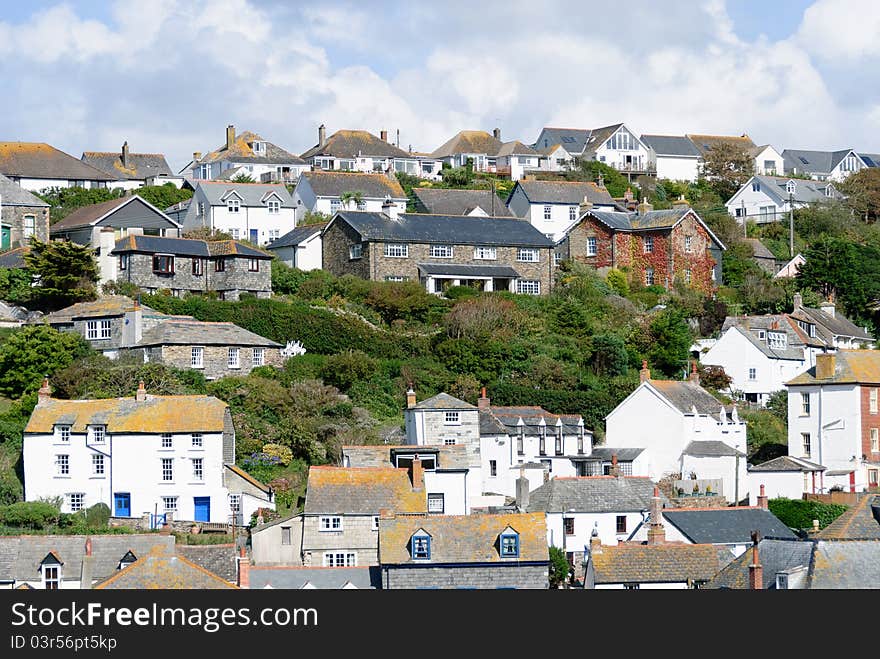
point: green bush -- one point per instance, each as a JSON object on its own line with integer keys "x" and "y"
{"x": 346, "y": 368}
{"x": 29, "y": 514}
{"x": 98, "y": 515}
{"x": 799, "y": 514}
{"x": 617, "y": 281}
{"x": 460, "y": 292}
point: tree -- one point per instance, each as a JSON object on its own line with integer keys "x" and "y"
{"x": 242, "y": 177}
{"x": 15, "y": 285}
{"x": 350, "y": 197}
{"x": 671, "y": 339}
{"x": 34, "y": 352}
{"x": 727, "y": 167}
{"x": 62, "y": 201}
{"x": 163, "y": 196}
{"x": 559, "y": 567}
{"x": 458, "y": 177}
{"x": 593, "y": 170}
{"x": 862, "y": 190}
{"x": 65, "y": 273}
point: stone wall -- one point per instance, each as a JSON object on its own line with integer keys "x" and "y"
{"x": 335, "y": 244}
{"x": 356, "y": 535}
{"x": 467, "y": 432}
{"x": 115, "y": 340}
{"x": 231, "y": 282}
{"x": 501, "y": 575}
{"x": 13, "y": 216}
{"x": 216, "y": 359}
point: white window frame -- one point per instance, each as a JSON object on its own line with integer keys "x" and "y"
{"x": 106, "y": 329}
{"x": 233, "y": 206}
{"x": 273, "y": 206}
{"x": 805, "y": 404}
{"x": 485, "y": 253}
{"x": 167, "y": 440}
{"x": 875, "y": 440}
{"x": 872, "y": 400}
{"x": 167, "y": 467}
{"x": 340, "y": 559}
{"x": 92, "y": 330}
{"x": 63, "y": 434}
{"x": 753, "y": 373}
{"x": 259, "y": 357}
{"x": 62, "y": 464}
{"x": 433, "y": 499}
{"x": 592, "y": 246}
{"x": 687, "y": 244}
{"x": 197, "y": 440}
{"x": 232, "y": 358}
{"x": 355, "y": 251}
{"x": 198, "y": 469}
{"x": 329, "y": 523}
{"x": 375, "y": 523}
{"x": 548, "y": 212}
{"x": 648, "y": 244}
{"x": 79, "y": 497}
{"x": 169, "y": 503}
{"x": 396, "y": 250}
{"x": 52, "y": 582}
{"x": 528, "y": 286}
{"x": 777, "y": 340}
{"x": 97, "y": 464}
{"x": 687, "y": 276}
{"x": 197, "y": 357}
{"x": 452, "y": 418}
{"x": 806, "y": 444}
{"x": 572, "y": 213}
{"x": 528, "y": 255}
{"x": 441, "y": 251}
{"x": 649, "y": 276}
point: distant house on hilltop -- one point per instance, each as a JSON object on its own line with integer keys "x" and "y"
{"x": 129, "y": 170}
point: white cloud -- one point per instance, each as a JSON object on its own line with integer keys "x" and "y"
{"x": 841, "y": 29}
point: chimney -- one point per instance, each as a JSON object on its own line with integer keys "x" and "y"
{"x": 141, "y": 394}
{"x": 694, "y": 377}
{"x": 45, "y": 391}
{"x": 644, "y": 208}
{"x": 322, "y": 135}
{"x": 230, "y": 136}
{"x": 681, "y": 203}
{"x": 756, "y": 570}
{"x": 383, "y": 135}
{"x": 628, "y": 195}
{"x": 644, "y": 374}
{"x": 496, "y": 133}
{"x": 828, "y": 307}
{"x": 88, "y": 546}
{"x": 522, "y": 491}
{"x": 595, "y": 542}
{"x": 825, "y": 365}
{"x": 762, "y": 499}
{"x": 815, "y": 526}
{"x": 585, "y": 206}
{"x": 410, "y": 397}
{"x": 244, "y": 569}
{"x": 615, "y": 468}
{"x": 483, "y": 400}
{"x": 87, "y": 568}
{"x": 390, "y": 208}
{"x": 197, "y": 155}
{"x": 125, "y": 154}
{"x": 418, "y": 475}
{"x": 656, "y": 530}
{"x": 798, "y": 301}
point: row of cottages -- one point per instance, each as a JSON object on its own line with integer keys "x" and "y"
{"x": 439, "y": 251}
{"x": 762, "y": 353}
{"x": 327, "y": 192}
{"x": 764, "y": 199}
{"x": 23, "y": 216}
{"x": 115, "y": 325}
{"x": 657, "y": 247}
{"x": 141, "y": 456}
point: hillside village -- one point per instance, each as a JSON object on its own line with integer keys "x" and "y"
{"x": 595, "y": 359}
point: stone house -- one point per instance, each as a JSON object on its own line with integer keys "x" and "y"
{"x": 183, "y": 265}
{"x": 654, "y": 247}
{"x": 22, "y": 216}
{"x": 439, "y": 251}
{"x": 488, "y": 551}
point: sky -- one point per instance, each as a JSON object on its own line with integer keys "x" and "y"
{"x": 168, "y": 76}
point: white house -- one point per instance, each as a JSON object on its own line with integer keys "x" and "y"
{"x": 769, "y": 198}
{"x": 768, "y": 161}
{"x": 673, "y": 156}
{"x": 786, "y": 476}
{"x": 141, "y": 456}
{"x": 256, "y": 212}
{"x": 37, "y": 166}
{"x": 360, "y": 151}
{"x": 791, "y": 268}
{"x": 823, "y": 165}
{"x": 299, "y": 248}
{"x": 688, "y": 431}
{"x": 488, "y": 153}
{"x": 516, "y": 159}
{"x": 554, "y": 158}
{"x": 615, "y": 145}
{"x": 834, "y": 418}
{"x": 323, "y": 192}
{"x": 130, "y": 171}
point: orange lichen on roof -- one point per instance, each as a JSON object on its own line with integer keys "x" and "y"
{"x": 851, "y": 366}
{"x": 395, "y": 480}
{"x": 26, "y": 147}
{"x": 238, "y": 471}
{"x": 655, "y": 563}
{"x": 126, "y": 415}
{"x": 161, "y": 569}
{"x": 109, "y": 305}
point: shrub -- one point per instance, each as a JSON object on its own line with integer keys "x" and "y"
{"x": 559, "y": 567}
{"x": 97, "y": 516}
{"x": 346, "y": 368}
{"x": 799, "y": 514}
{"x": 284, "y": 454}
{"x": 29, "y": 514}
{"x": 617, "y": 281}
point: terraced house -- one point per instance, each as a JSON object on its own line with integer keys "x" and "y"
{"x": 439, "y": 251}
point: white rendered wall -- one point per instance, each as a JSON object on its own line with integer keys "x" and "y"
{"x": 677, "y": 169}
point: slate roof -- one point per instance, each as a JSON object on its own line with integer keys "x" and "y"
{"x": 565, "y": 192}
{"x": 836, "y": 325}
{"x": 296, "y": 236}
{"x": 441, "y": 201}
{"x": 186, "y": 247}
{"x": 858, "y": 522}
{"x": 196, "y": 332}
{"x": 361, "y": 491}
{"x": 156, "y": 414}
{"x": 759, "y": 251}
{"x": 382, "y": 455}
{"x": 671, "y": 145}
{"x": 251, "y": 194}
{"x": 458, "y": 230}
{"x": 321, "y": 578}
{"x": 572, "y": 140}
{"x": 516, "y": 148}
{"x": 468, "y": 141}
{"x": 623, "y": 454}
{"x": 594, "y": 494}
{"x": 813, "y": 162}
{"x": 685, "y": 395}
{"x": 466, "y": 269}
{"x": 850, "y": 367}
{"x": 598, "y": 136}
{"x": 356, "y": 143}
{"x": 705, "y": 143}
{"x": 91, "y": 215}
{"x": 104, "y": 307}
{"x": 164, "y": 570}
{"x": 805, "y": 191}
{"x": 20, "y": 556}
{"x": 335, "y": 184}
{"x": 774, "y": 555}
{"x": 14, "y": 258}
{"x": 40, "y": 160}
{"x": 627, "y": 563}
{"x": 216, "y": 559}
{"x": 652, "y": 220}
{"x": 531, "y": 416}
{"x": 245, "y": 476}
{"x": 711, "y": 448}
{"x": 14, "y": 195}
{"x": 138, "y": 165}
{"x": 242, "y": 151}
{"x": 787, "y": 463}
{"x": 733, "y": 525}
{"x": 870, "y": 159}
{"x": 846, "y": 564}
{"x": 463, "y": 538}
{"x": 444, "y": 401}
{"x": 795, "y": 340}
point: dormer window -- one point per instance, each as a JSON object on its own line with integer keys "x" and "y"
{"x": 63, "y": 433}
{"x": 756, "y": 186}
{"x": 509, "y": 543}
{"x": 233, "y": 205}
{"x": 420, "y": 546}
{"x": 97, "y": 433}
{"x": 258, "y": 147}
{"x": 126, "y": 560}
{"x": 808, "y": 328}
{"x": 50, "y": 569}
{"x": 274, "y": 206}
{"x": 777, "y": 340}
{"x": 789, "y": 187}
{"x": 829, "y": 190}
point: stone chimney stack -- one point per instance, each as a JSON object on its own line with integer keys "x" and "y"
{"x": 681, "y": 203}
{"x": 125, "y": 154}
{"x": 141, "y": 394}
{"x": 595, "y": 542}
{"x": 615, "y": 468}
{"x": 762, "y": 500}
{"x": 496, "y": 133}
{"x": 585, "y": 206}
{"x": 390, "y": 208}
{"x": 322, "y": 135}
{"x": 45, "y": 391}
{"x": 383, "y": 135}
{"x": 694, "y": 377}
{"x": 644, "y": 208}
{"x": 244, "y": 568}
{"x": 483, "y": 401}
{"x": 756, "y": 570}
{"x": 418, "y": 475}
{"x": 825, "y": 363}
{"x": 410, "y": 397}
{"x": 522, "y": 491}
{"x": 798, "y": 301}
{"x": 828, "y": 307}
{"x": 197, "y": 155}
{"x": 644, "y": 373}
{"x": 656, "y": 530}
{"x": 230, "y": 136}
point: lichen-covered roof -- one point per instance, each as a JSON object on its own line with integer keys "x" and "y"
{"x": 354, "y": 144}
{"x": 469, "y": 141}
{"x": 156, "y": 414}
{"x": 295, "y": 577}
{"x": 371, "y": 186}
{"x": 40, "y": 160}
{"x": 361, "y": 491}
{"x": 243, "y": 151}
{"x": 836, "y": 325}
{"x": 444, "y": 401}
{"x": 186, "y": 247}
{"x": 463, "y": 538}
{"x": 671, "y": 563}
{"x": 846, "y": 564}
{"x": 594, "y": 494}
{"x": 383, "y": 455}
{"x": 850, "y": 367}
{"x": 138, "y": 166}
{"x": 706, "y": 143}
{"x": 164, "y": 570}
{"x": 856, "y": 523}
{"x": 105, "y": 306}
{"x": 217, "y": 559}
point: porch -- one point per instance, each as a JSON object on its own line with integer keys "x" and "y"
{"x": 438, "y": 277}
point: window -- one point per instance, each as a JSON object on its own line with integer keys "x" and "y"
{"x": 362, "y": 205}
{"x": 421, "y": 547}
{"x": 649, "y": 276}
{"x": 258, "y": 147}
{"x": 767, "y": 213}
{"x": 484, "y": 253}
{"x": 201, "y": 207}
{"x": 739, "y": 212}
{"x": 528, "y": 286}
{"x": 233, "y": 205}
{"x": 435, "y": 503}
{"x": 197, "y": 440}
{"x": 875, "y": 442}
{"x": 777, "y": 340}
{"x": 580, "y": 444}
{"x": 687, "y": 243}
{"x": 557, "y": 258}
{"x": 591, "y": 246}
{"x": 568, "y": 525}
{"x": 253, "y": 265}
{"x": 527, "y": 254}
{"x": 519, "y": 444}
{"x": 220, "y": 265}
{"x": 97, "y": 464}
{"x": 62, "y": 465}
{"x": 198, "y": 473}
{"x": 235, "y": 508}
{"x": 52, "y": 577}
{"x": 805, "y": 442}
{"x": 63, "y": 433}
{"x": 235, "y": 233}
{"x": 621, "y": 523}
{"x": 753, "y": 374}
{"x": 28, "y": 228}
{"x": 397, "y": 250}
{"x": 872, "y": 400}
{"x": 197, "y": 267}
{"x": 762, "y": 334}
{"x": 648, "y": 243}
{"x": 355, "y": 251}
{"x": 790, "y": 187}
{"x": 509, "y": 545}
{"x": 163, "y": 264}
{"x": 167, "y": 469}
{"x": 451, "y": 418}
{"x": 805, "y": 404}
{"x": 808, "y": 328}
{"x": 756, "y": 186}
{"x": 167, "y": 441}
{"x": 873, "y": 477}
{"x": 558, "y": 445}
{"x": 274, "y": 206}
{"x": 542, "y": 446}
{"x": 572, "y": 213}
{"x": 274, "y": 234}
{"x": 449, "y": 441}
{"x": 687, "y": 276}
{"x": 335, "y": 205}
{"x": 548, "y": 212}
{"x": 122, "y": 261}
{"x": 493, "y": 467}
{"x": 197, "y": 357}
{"x": 441, "y": 251}
{"x": 285, "y": 535}
{"x": 75, "y": 501}
{"x": 232, "y": 358}
{"x": 330, "y": 523}
{"x": 375, "y": 526}
{"x": 259, "y": 356}
{"x": 340, "y": 559}
{"x": 92, "y": 330}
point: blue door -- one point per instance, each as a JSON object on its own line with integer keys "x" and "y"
{"x": 122, "y": 504}
{"x": 255, "y": 237}
{"x": 202, "y": 509}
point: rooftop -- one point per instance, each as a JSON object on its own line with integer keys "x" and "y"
{"x": 40, "y": 160}
{"x": 593, "y": 494}
{"x": 335, "y": 184}
{"x": 361, "y": 491}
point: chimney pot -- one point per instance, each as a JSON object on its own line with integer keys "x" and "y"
{"x": 756, "y": 570}
{"x": 383, "y": 135}
{"x": 244, "y": 569}
{"x": 390, "y": 208}
{"x": 410, "y": 396}
{"x": 418, "y": 475}
{"x": 483, "y": 401}
{"x": 141, "y": 394}
{"x": 45, "y": 391}
{"x": 798, "y": 301}
{"x": 762, "y": 499}
{"x": 644, "y": 373}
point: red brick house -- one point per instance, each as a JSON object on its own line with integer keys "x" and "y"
{"x": 653, "y": 247}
